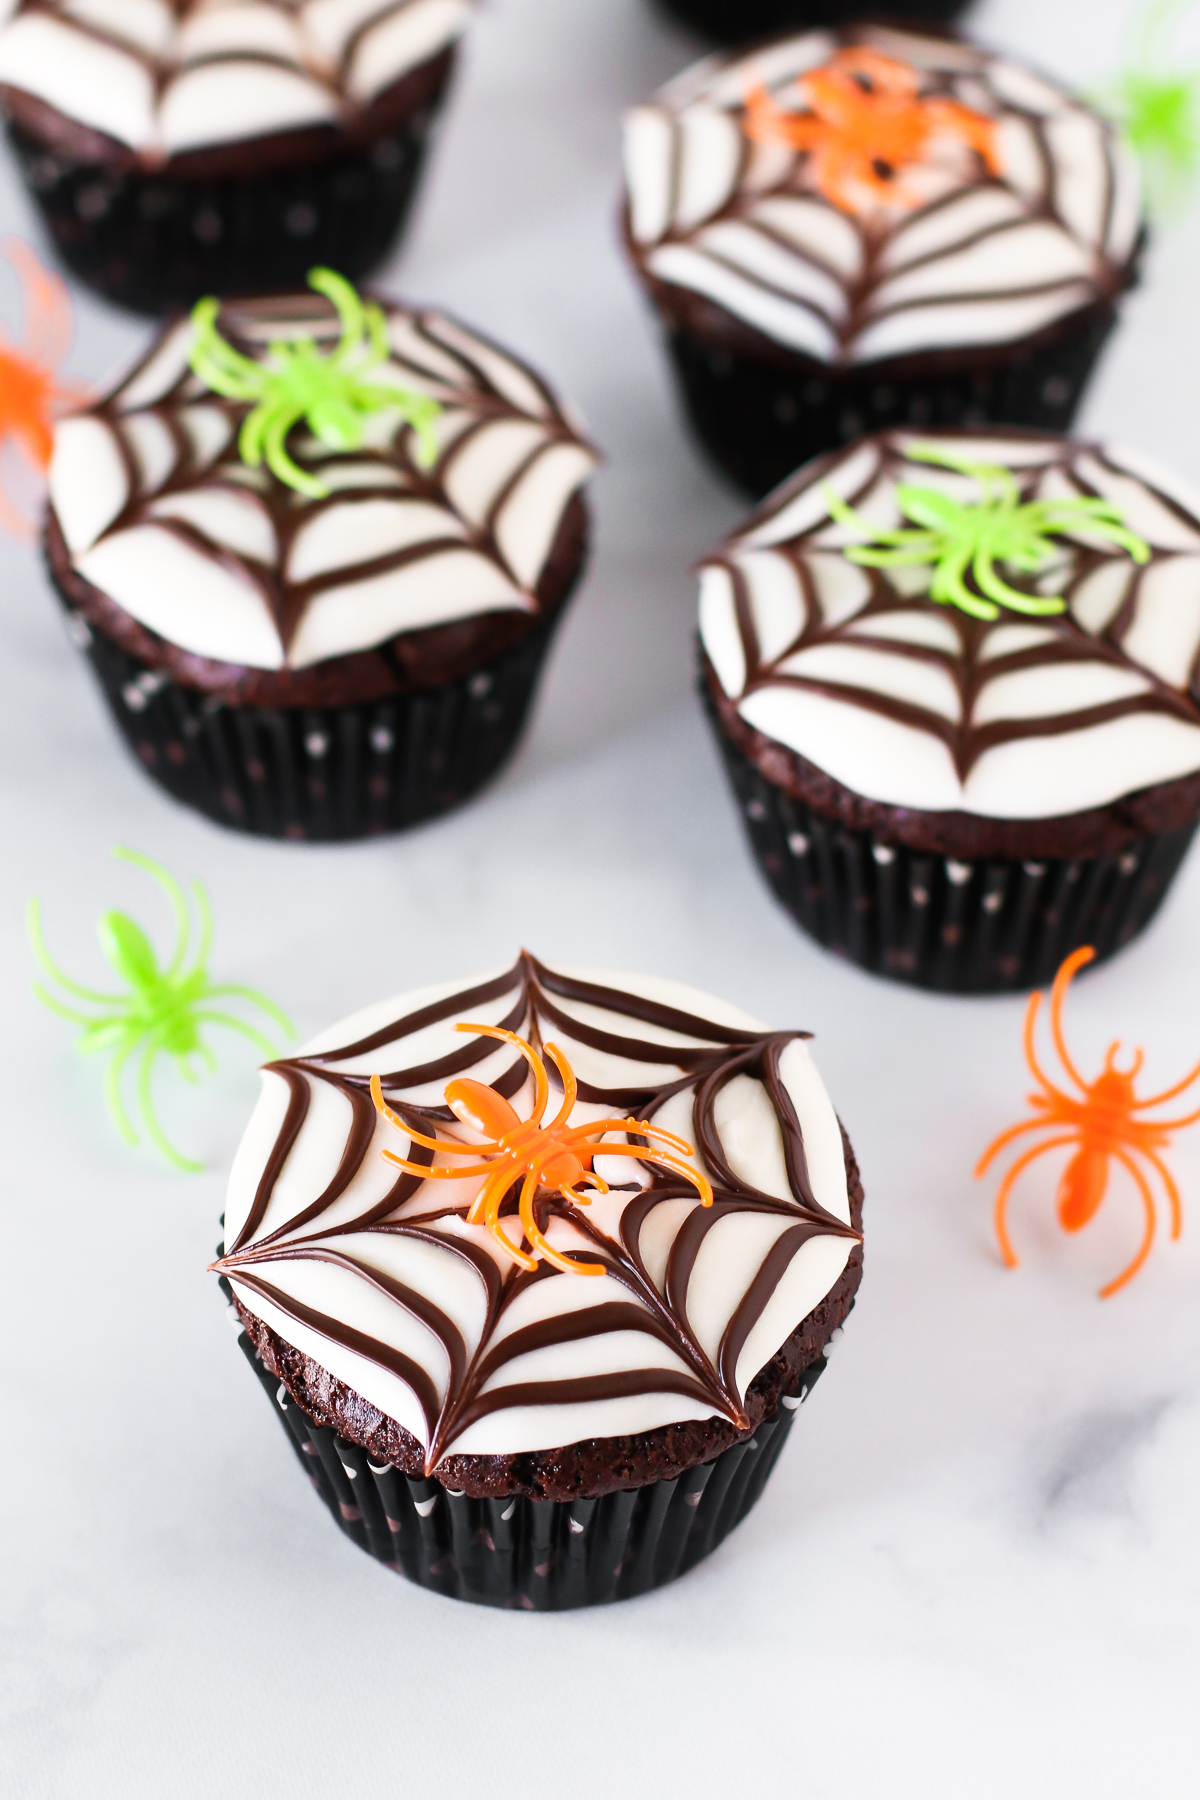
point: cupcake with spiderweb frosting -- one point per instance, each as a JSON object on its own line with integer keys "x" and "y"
{"x": 541, "y": 1339}
{"x": 316, "y": 549}
{"x": 864, "y": 227}
{"x": 955, "y": 682}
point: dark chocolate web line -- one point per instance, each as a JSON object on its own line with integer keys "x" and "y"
{"x": 969, "y": 669}
{"x": 475, "y": 1386}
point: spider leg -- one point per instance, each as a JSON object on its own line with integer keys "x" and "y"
{"x": 430, "y": 1174}
{"x": 570, "y": 1086}
{"x": 692, "y": 1175}
{"x": 349, "y": 307}
{"x": 1171, "y": 1124}
{"x": 538, "y": 1243}
{"x": 1168, "y": 1093}
{"x": 45, "y": 307}
{"x": 1077, "y": 960}
{"x": 495, "y": 1190}
{"x": 232, "y": 990}
{"x": 1007, "y": 1137}
{"x": 541, "y": 1084}
{"x": 174, "y": 893}
{"x": 1128, "y": 1274}
{"x": 1006, "y": 1188}
{"x": 64, "y": 1012}
{"x": 274, "y": 434}
{"x": 42, "y": 956}
{"x": 239, "y": 1025}
{"x": 452, "y": 1148}
{"x": 146, "y": 1107}
{"x": 112, "y": 1091}
{"x": 1168, "y": 1181}
{"x": 14, "y": 522}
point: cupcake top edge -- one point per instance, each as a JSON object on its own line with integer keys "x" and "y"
{"x": 862, "y": 194}
{"x": 1001, "y": 623}
{"x": 164, "y": 79}
{"x": 653, "y": 1198}
{"x": 251, "y": 517}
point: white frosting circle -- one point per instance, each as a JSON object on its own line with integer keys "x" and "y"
{"x": 294, "y": 1233}
{"x": 913, "y": 704}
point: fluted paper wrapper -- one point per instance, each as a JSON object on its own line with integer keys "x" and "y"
{"x": 155, "y": 242}
{"x": 967, "y": 927}
{"x": 531, "y": 1555}
{"x": 321, "y": 774}
{"x": 763, "y": 420}
{"x": 737, "y": 21}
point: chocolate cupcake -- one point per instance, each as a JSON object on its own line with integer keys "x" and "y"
{"x": 955, "y": 685}
{"x": 738, "y": 21}
{"x": 853, "y": 229}
{"x": 324, "y": 623}
{"x": 549, "y": 1364}
{"x": 184, "y": 147}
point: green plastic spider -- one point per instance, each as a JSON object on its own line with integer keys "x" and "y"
{"x": 333, "y": 392}
{"x": 1158, "y": 106}
{"x": 164, "y": 1009}
{"x": 961, "y": 538}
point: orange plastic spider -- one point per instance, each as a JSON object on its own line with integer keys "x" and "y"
{"x": 549, "y": 1156}
{"x": 31, "y": 395}
{"x": 867, "y": 123}
{"x": 1103, "y": 1124}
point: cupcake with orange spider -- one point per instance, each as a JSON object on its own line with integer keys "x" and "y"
{"x": 866, "y": 227}
{"x": 540, "y": 1342}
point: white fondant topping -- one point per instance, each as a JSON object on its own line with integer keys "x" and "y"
{"x": 470, "y": 537}
{"x": 820, "y": 677}
{"x": 984, "y": 259}
{"x": 232, "y": 69}
{"x": 730, "y": 1257}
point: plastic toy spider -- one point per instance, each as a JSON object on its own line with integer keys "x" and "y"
{"x": 31, "y": 396}
{"x": 557, "y": 1156}
{"x": 867, "y": 123}
{"x": 332, "y": 392}
{"x": 164, "y": 1009}
{"x": 1159, "y": 106}
{"x": 1102, "y": 1124}
{"x": 961, "y": 538}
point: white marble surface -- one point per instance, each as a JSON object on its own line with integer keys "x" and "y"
{"x": 976, "y": 1571}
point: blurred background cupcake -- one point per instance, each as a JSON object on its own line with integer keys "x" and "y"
{"x": 954, "y": 682}
{"x": 845, "y": 230}
{"x": 330, "y": 622}
{"x": 223, "y": 146}
{"x": 737, "y": 21}
{"x": 574, "y": 1398}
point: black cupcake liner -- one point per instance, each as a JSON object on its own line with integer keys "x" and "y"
{"x": 962, "y": 927}
{"x": 761, "y": 420}
{"x": 532, "y": 1555}
{"x": 155, "y": 243}
{"x": 736, "y": 21}
{"x": 321, "y": 774}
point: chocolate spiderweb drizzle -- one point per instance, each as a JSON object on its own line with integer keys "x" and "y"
{"x": 435, "y": 357}
{"x": 475, "y": 1385}
{"x": 977, "y": 662}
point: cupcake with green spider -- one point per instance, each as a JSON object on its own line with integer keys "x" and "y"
{"x": 955, "y": 683}
{"x": 316, "y": 548}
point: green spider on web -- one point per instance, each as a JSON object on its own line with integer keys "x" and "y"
{"x": 969, "y": 539}
{"x": 163, "y": 1010}
{"x": 332, "y": 391}
{"x": 1158, "y": 105}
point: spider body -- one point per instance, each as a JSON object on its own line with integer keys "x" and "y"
{"x": 1102, "y": 1122}
{"x": 31, "y": 396}
{"x": 867, "y": 124}
{"x": 333, "y": 392}
{"x": 968, "y": 539}
{"x": 554, "y": 1157}
{"x": 164, "y": 1008}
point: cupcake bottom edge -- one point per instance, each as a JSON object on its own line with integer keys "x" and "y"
{"x": 533, "y": 1555}
{"x": 970, "y": 925}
